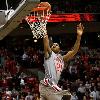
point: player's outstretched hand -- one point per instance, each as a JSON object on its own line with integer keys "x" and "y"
{"x": 80, "y": 29}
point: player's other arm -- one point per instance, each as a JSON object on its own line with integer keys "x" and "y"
{"x": 47, "y": 49}
{"x": 72, "y": 52}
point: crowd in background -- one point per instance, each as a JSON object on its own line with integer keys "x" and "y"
{"x": 16, "y": 82}
{"x": 81, "y": 75}
{"x": 81, "y": 6}
{"x": 20, "y": 86}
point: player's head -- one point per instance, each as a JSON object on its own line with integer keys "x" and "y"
{"x": 55, "y": 47}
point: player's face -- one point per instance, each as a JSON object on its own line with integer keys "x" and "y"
{"x": 55, "y": 47}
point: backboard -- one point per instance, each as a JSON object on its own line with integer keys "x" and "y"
{"x": 12, "y": 20}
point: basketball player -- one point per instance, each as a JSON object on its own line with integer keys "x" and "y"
{"x": 54, "y": 64}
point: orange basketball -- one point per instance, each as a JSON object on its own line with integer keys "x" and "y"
{"x": 43, "y": 6}
{"x": 46, "y": 5}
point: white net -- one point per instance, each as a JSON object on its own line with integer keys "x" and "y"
{"x": 38, "y": 25}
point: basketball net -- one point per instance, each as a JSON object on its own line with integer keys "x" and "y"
{"x": 38, "y": 23}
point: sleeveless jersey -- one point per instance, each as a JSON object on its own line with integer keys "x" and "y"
{"x": 53, "y": 67}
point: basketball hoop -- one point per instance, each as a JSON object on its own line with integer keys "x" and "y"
{"x": 39, "y": 19}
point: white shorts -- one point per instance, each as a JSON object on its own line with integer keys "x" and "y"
{"x": 48, "y": 93}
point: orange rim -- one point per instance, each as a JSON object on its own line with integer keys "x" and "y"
{"x": 39, "y": 9}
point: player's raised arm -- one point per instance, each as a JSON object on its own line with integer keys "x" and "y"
{"x": 74, "y": 50}
{"x": 47, "y": 48}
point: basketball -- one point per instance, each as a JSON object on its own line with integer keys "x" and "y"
{"x": 42, "y": 8}
{"x": 46, "y": 5}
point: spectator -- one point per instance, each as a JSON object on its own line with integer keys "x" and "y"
{"x": 93, "y": 94}
{"x": 29, "y": 96}
{"x": 74, "y": 96}
{"x": 81, "y": 91}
